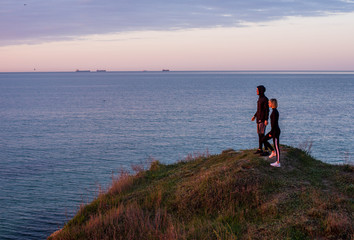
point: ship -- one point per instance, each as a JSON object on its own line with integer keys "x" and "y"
{"x": 165, "y": 70}
{"x": 77, "y": 70}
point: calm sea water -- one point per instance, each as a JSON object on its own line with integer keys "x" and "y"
{"x": 63, "y": 134}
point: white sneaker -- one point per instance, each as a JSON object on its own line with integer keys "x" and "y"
{"x": 275, "y": 164}
{"x": 272, "y": 155}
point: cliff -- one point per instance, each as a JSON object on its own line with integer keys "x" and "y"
{"x": 233, "y": 195}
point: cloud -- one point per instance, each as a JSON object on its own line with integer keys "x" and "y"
{"x": 34, "y": 21}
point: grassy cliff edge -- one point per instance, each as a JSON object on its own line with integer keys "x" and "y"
{"x": 232, "y": 195}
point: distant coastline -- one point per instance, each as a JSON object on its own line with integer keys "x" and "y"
{"x": 98, "y": 70}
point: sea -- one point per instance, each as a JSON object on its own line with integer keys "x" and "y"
{"x": 64, "y": 135}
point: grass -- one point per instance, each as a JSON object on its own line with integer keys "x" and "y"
{"x": 233, "y": 195}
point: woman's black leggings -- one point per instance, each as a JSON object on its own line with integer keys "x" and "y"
{"x": 275, "y": 143}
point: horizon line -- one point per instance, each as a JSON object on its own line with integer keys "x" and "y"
{"x": 155, "y": 71}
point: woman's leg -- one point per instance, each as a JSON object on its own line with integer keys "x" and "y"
{"x": 276, "y": 146}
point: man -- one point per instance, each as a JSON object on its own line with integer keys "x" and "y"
{"x": 261, "y": 116}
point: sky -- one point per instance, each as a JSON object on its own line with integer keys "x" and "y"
{"x": 135, "y": 35}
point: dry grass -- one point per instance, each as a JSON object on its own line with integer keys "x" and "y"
{"x": 336, "y": 223}
{"x": 196, "y": 155}
{"x": 125, "y": 222}
{"x": 121, "y": 183}
{"x": 306, "y": 146}
{"x": 234, "y": 195}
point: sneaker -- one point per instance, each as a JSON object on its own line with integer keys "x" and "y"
{"x": 258, "y": 151}
{"x": 264, "y": 154}
{"x": 275, "y": 164}
{"x": 272, "y": 155}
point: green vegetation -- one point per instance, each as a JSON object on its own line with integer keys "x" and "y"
{"x": 233, "y": 195}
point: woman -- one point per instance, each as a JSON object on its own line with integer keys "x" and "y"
{"x": 274, "y": 133}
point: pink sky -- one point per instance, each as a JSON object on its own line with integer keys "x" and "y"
{"x": 294, "y": 43}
